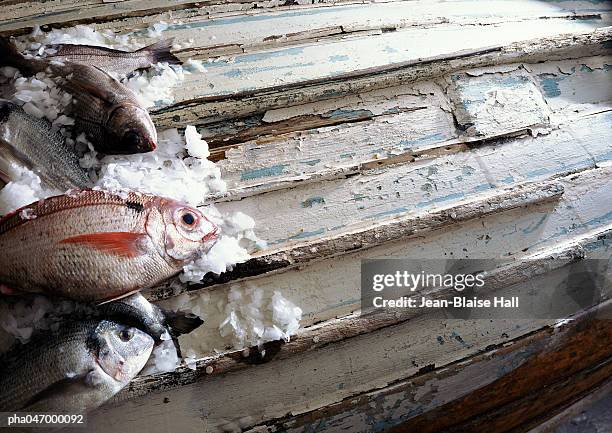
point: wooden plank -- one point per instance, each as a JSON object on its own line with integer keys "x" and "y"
{"x": 525, "y": 268}
{"x": 199, "y": 110}
{"x": 204, "y": 35}
{"x": 412, "y": 121}
{"x": 19, "y": 16}
{"x": 314, "y": 209}
{"x": 370, "y": 117}
{"x": 326, "y": 289}
{"x": 409, "y": 123}
{"x": 489, "y": 392}
{"x": 591, "y": 410}
{"x": 284, "y": 127}
{"x": 251, "y": 72}
{"x": 402, "y": 123}
{"x": 376, "y": 233}
{"x": 250, "y": 23}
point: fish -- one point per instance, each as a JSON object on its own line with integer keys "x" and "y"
{"x": 74, "y": 369}
{"x": 115, "y": 61}
{"x": 29, "y": 142}
{"x": 93, "y": 245}
{"x": 104, "y": 109}
{"x": 160, "y": 324}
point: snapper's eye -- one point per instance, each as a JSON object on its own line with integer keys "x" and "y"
{"x": 188, "y": 219}
{"x": 126, "y": 334}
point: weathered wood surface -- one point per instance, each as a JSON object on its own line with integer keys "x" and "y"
{"x": 249, "y": 83}
{"x": 490, "y": 392}
{"x": 417, "y": 126}
{"x": 526, "y": 268}
{"x": 330, "y": 288}
{"x": 590, "y": 412}
{"x": 204, "y": 103}
{"x": 382, "y": 231}
{"x": 20, "y": 16}
{"x": 243, "y": 24}
{"x": 353, "y": 130}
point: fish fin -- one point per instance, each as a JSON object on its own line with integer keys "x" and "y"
{"x": 9, "y": 56}
{"x": 116, "y": 298}
{"x": 9, "y": 153}
{"x": 6, "y": 108}
{"x": 181, "y": 323}
{"x": 88, "y": 87}
{"x": 160, "y": 52}
{"x": 62, "y": 50}
{"x": 125, "y": 244}
{"x": 47, "y": 400}
{"x": 5, "y": 159}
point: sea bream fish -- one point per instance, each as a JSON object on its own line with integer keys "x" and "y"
{"x": 75, "y": 369}
{"x": 117, "y": 61}
{"x": 29, "y": 142}
{"x": 107, "y": 111}
{"x": 137, "y": 311}
{"x": 94, "y": 245}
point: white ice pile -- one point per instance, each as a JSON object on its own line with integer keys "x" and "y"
{"x": 154, "y": 87}
{"x": 37, "y": 95}
{"x": 168, "y": 171}
{"x": 20, "y": 318}
{"x": 39, "y": 43}
{"x": 248, "y": 316}
{"x": 163, "y": 358}
{"x": 253, "y": 320}
{"x": 25, "y": 189}
{"x": 237, "y": 238}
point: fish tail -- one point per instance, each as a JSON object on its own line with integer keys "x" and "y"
{"x": 10, "y": 156}
{"x": 160, "y": 52}
{"x": 9, "y": 56}
{"x": 181, "y": 323}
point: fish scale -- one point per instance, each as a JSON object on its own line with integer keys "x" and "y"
{"x": 23, "y": 386}
{"x": 94, "y": 245}
{"x": 71, "y": 355}
{"x": 110, "y": 60}
{"x": 30, "y": 142}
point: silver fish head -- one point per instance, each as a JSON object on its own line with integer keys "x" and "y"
{"x": 131, "y": 131}
{"x": 120, "y": 350}
{"x": 137, "y": 311}
{"x": 186, "y": 231}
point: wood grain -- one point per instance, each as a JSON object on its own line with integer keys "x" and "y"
{"x": 565, "y": 362}
{"x": 367, "y": 236}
